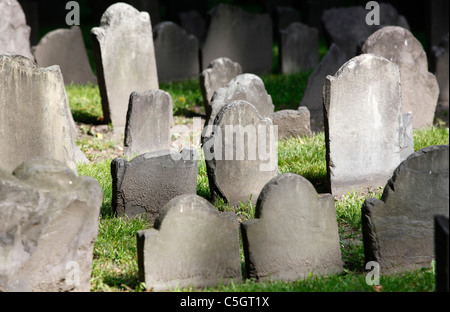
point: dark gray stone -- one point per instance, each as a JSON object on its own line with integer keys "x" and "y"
{"x": 285, "y": 16}
{"x": 193, "y": 23}
{"x": 150, "y": 6}
{"x": 441, "y": 252}
{"x": 292, "y": 123}
{"x": 191, "y": 245}
{"x": 440, "y": 54}
{"x": 398, "y": 230}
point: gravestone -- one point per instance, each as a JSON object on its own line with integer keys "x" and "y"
{"x": 441, "y": 252}
{"x": 294, "y": 232}
{"x": 48, "y": 226}
{"x": 146, "y": 183}
{"x": 240, "y": 153}
{"x": 191, "y": 245}
{"x": 243, "y": 37}
{"x": 176, "y": 52}
{"x": 14, "y": 31}
{"x": 292, "y": 123}
{"x": 398, "y": 230}
{"x": 149, "y": 119}
{"x": 31, "y": 10}
{"x": 366, "y": 134}
{"x": 218, "y": 74}
{"x": 65, "y": 47}
{"x": 299, "y": 48}
{"x": 420, "y": 89}
{"x": 125, "y": 60}
{"x": 440, "y": 54}
{"x": 193, "y": 23}
{"x": 35, "y": 119}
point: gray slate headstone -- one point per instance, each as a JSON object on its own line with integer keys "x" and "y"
{"x": 48, "y": 226}
{"x": 292, "y": 123}
{"x": 440, "y": 54}
{"x": 398, "y": 230}
{"x": 149, "y": 119}
{"x": 193, "y": 23}
{"x": 244, "y": 37}
{"x": 146, "y": 183}
{"x": 294, "y": 232}
{"x": 191, "y": 245}
{"x": 125, "y": 60}
{"x": 366, "y": 134}
{"x": 420, "y": 89}
{"x": 441, "y": 252}
{"x": 65, "y": 47}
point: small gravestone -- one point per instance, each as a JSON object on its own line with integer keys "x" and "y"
{"x": 218, "y": 74}
{"x": 294, "y": 233}
{"x": 299, "y": 48}
{"x": 398, "y": 230}
{"x": 366, "y": 134}
{"x": 193, "y": 23}
{"x": 14, "y": 31}
{"x": 125, "y": 59}
{"x": 244, "y": 37}
{"x": 65, "y": 47}
{"x": 176, "y": 52}
{"x": 148, "y": 124}
{"x": 48, "y": 226}
{"x": 149, "y": 181}
{"x": 441, "y": 252}
{"x": 191, "y": 245}
{"x": 441, "y": 71}
{"x": 292, "y": 123}
{"x": 420, "y": 89}
{"x": 240, "y": 153}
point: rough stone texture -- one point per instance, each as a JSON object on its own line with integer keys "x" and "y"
{"x": 239, "y": 168}
{"x": 420, "y": 89}
{"x": 193, "y": 23}
{"x": 441, "y": 70}
{"x": 398, "y": 230}
{"x": 176, "y": 52}
{"x": 48, "y": 227}
{"x": 441, "y": 252}
{"x": 149, "y": 119}
{"x": 35, "y": 119}
{"x": 125, "y": 60}
{"x": 191, "y": 244}
{"x": 146, "y": 183}
{"x": 299, "y": 48}
{"x": 14, "y": 31}
{"x": 243, "y": 37}
{"x": 65, "y": 47}
{"x": 294, "y": 232}
{"x": 292, "y": 123}
{"x": 312, "y": 98}
{"x": 366, "y": 94}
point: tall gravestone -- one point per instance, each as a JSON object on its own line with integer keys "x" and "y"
{"x": 398, "y": 230}
{"x": 441, "y": 70}
{"x": 48, "y": 227}
{"x": 366, "y": 134}
{"x": 125, "y": 59}
{"x": 191, "y": 245}
{"x": 294, "y": 232}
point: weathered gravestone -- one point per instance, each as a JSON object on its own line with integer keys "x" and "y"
{"x": 176, "y": 52}
{"x": 149, "y": 119}
{"x": 440, "y": 54}
{"x": 420, "y": 89}
{"x": 366, "y": 134}
{"x": 65, "y": 47}
{"x": 299, "y": 48}
{"x": 14, "y": 31}
{"x": 441, "y": 252}
{"x": 48, "y": 227}
{"x": 294, "y": 232}
{"x": 398, "y": 230}
{"x": 218, "y": 74}
{"x": 243, "y": 37}
{"x": 191, "y": 244}
{"x": 125, "y": 60}
{"x": 240, "y": 153}
{"x": 292, "y": 123}
{"x": 193, "y": 23}
{"x": 35, "y": 119}
{"x": 146, "y": 183}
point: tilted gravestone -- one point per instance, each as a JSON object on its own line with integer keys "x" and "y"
{"x": 149, "y": 119}
{"x": 292, "y": 123}
{"x": 218, "y": 74}
{"x": 240, "y": 153}
{"x": 441, "y": 252}
{"x": 191, "y": 245}
{"x": 366, "y": 134}
{"x": 294, "y": 232}
{"x": 48, "y": 226}
{"x": 125, "y": 59}
{"x": 146, "y": 183}
{"x": 420, "y": 89}
{"x": 398, "y": 230}
{"x": 243, "y": 37}
{"x": 176, "y": 52}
